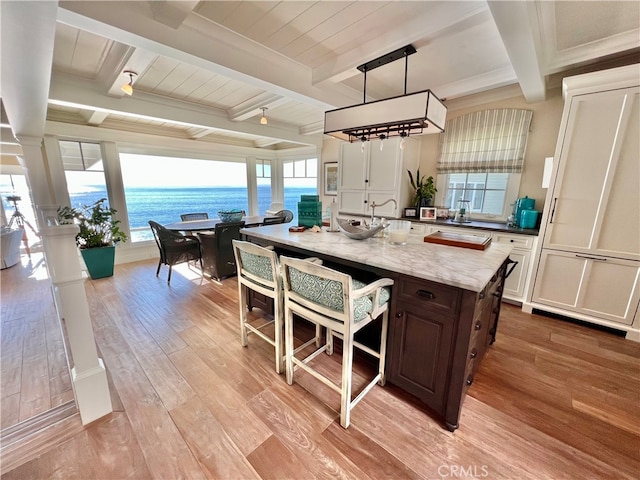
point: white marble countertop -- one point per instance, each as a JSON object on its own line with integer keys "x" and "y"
{"x": 455, "y": 266}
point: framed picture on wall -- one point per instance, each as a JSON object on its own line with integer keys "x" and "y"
{"x": 427, "y": 213}
{"x": 331, "y": 178}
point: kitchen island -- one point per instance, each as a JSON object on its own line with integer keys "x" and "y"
{"x": 444, "y": 308}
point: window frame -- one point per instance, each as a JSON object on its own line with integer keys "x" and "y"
{"x": 511, "y": 195}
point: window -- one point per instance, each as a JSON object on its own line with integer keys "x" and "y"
{"x": 300, "y": 178}
{"x": 161, "y": 188}
{"x": 18, "y": 209}
{"x": 480, "y": 160}
{"x": 84, "y": 171}
{"x": 490, "y": 195}
{"x": 263, "y": 177}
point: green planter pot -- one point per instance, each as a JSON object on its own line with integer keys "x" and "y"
{"x": 99, "y": 261}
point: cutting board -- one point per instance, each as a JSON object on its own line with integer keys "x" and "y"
{"x": 476, "y": 242}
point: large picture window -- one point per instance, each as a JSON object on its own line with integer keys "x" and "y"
{"x": 84, "y": 172}
{"x": 161, "y": 188}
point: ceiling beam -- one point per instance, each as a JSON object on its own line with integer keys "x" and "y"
{"x": 514, "y": 25}
{"x": 253, "y": 106}
{"x": 234, "y": 56}
{"x": 27, "y": 38}
{"x": 85, "y": 94}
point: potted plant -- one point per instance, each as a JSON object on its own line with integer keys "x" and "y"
{"x": 98, "y": 236}
{"x": 424, "y": 189}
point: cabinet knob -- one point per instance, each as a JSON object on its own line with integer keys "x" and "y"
{"x": 399, "y": 315}
{"x": 511, "y": 240}
{"x": 365, "y": 201}
{"x": 473, "y": 353}
{"x": 469, "y": 380}
{"x": 366, "y": 181}
{"x": 481, "y": 296}
{"x": 478, "y": 326}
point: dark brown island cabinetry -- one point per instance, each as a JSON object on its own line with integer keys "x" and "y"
{"x": 437, "y": 339}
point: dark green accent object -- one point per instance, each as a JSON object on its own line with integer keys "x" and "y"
{"x": 99, "y": 261}
{"x": 309, "y": 211}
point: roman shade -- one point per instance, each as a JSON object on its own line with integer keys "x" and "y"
{"x": 485, "y": 141}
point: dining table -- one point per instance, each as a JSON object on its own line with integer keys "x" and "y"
{"x": 210, "y": 224}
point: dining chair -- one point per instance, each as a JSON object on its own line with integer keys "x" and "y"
{"x": 259, "y": 272}
{"x": 273, "y": 220}
{"x": 186, "y": 217}
{"x": 287, "y": 214}
{"x": 343, "y": 306}
{"x": 174, "y": 247}
{"x": 217, "y": 249}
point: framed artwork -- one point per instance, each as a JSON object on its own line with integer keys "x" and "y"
{"x": 331, "y": 178}
{"x": 411, "y": 212}
{"x": 427, "y": 213}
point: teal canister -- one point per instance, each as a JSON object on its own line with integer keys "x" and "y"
{"x": 528, "y": 218}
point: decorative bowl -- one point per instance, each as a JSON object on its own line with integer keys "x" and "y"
{"x": 230, "y": 215}
{"x": 358, "y": 232}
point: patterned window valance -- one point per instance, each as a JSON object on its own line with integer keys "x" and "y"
{"x": 485, "y": 141}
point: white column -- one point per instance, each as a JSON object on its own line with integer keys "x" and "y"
{"x": 88, "y": 374}
{"x": 35, "y": 170}
{"x": 252, "y": 186}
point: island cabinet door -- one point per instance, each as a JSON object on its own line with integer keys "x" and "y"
{"x": 421, "y": 338}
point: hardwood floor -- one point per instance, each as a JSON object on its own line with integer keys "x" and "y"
{"x": 33, "y": 366}
{"x": 551, "y": 400}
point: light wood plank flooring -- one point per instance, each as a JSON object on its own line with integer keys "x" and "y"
{"x": 551, "y": 400}
{"x": 33, "y": 367}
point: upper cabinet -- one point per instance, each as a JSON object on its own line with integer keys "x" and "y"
{"x": 367, "y": 173}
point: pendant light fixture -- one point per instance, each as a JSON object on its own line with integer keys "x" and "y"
{"x": 128, "y": 87}
{"x": 404, "y": 115}
{"x": 263, "y": 120}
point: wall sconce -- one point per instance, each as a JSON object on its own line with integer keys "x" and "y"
{"x": 263, "y": 120}
{"x": 128, "y": 87}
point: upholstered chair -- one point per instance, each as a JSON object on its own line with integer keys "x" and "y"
{"x": 343, "y": 306}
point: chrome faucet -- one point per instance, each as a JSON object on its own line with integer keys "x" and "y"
{"x": 373, "y": 206}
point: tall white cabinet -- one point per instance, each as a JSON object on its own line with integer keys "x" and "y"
{"x": 588, "y": 266}
{"x": 368, "y": 174}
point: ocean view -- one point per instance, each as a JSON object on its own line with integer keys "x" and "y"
{"x": 164, "y": 205}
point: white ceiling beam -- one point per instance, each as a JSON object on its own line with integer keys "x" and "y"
{"x": 138, "y": 61}
{"x": 72, "y": 91}
{"x": 196, "y": 132}
{"x": 172, "y": 12}
{"x": 264, "y": 142}
{"x": 253, "y": 106}
{"x": 206, "y": 45}
{"x": 312, "y": 128}
{"x": 429, "y": 22}
{"x": 96, "y": 118}
{"x": 27, "y": 38}
{"x": 514, "y": 25}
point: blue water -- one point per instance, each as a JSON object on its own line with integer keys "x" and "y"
{"x": 164, "y": 205}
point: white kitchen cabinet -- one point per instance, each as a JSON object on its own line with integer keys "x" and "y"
{"x": 515, "y": 286}
{"x": 373, "y": 175}
{"x": 603, "y": 287}
{"x": 588, "y": 265}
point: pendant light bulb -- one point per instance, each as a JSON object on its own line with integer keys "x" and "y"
{"x": 263, "y": 120}
{"x": 382, "y": 137}
{"x": 127, "y": 88}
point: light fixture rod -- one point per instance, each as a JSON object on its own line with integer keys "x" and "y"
{"x": 406, "y": 69}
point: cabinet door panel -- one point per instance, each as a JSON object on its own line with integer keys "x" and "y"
{"x": 558, "y": 279}
{"x": 352, "y": 170}
{"x": 611, "y": 290}
{"x": 514, "y": 285}
{"x": 420, "y": 355}
{"x": 384, "y": 171}
{"x": 352, "y": 201}
{"x": 623, "y": 199}
{"x": 605, "y": 288}
{"x": 592, "y": 140}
